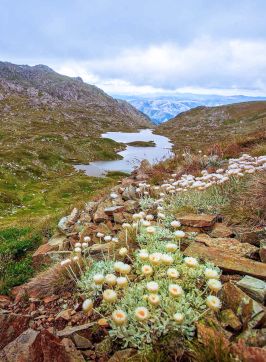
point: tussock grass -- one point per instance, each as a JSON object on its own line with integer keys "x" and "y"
{"x": 247, "y": 204}
{"x": 212, "y": 200}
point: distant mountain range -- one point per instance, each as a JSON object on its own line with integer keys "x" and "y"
{"x": 161, "y": 109}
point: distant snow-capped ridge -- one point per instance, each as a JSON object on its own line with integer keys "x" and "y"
{"x": 161, "y": 109}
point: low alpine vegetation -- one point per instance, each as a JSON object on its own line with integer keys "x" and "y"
{"x": 156, "y": 292}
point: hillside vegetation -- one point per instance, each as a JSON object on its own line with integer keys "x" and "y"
{"x": 48, "y": 122}
{"x": 232, "y": 128}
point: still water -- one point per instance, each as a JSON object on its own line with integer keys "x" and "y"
{"x": 132, "y": 156}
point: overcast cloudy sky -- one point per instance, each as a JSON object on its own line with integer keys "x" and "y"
{"x": 142, "y": 46}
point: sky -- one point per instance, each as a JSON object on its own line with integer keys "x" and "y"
{"x": 140, "y": 47}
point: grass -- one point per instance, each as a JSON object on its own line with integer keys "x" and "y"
{"x": 15, "y": 260}
{"x": 38, "y": 184}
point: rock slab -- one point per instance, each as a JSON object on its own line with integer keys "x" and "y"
{"x": 227, "y": 261}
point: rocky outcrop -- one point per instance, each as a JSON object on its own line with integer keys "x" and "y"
{"x": 227, "y": 261}
{"x": 42, "y": 86}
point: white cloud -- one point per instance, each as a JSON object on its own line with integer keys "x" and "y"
{"x": 207, "y": 66}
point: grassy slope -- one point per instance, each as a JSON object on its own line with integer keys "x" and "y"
{"x": 242, "y": 125}
{"x": 38, "y": 184}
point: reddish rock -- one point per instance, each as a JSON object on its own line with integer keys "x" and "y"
{"x": 230, "y": 245}
{"x": 19, "y": 349}
{"x": 227, "y": 261}
{"x": 47, "y": 347}
{"x": 50, "y": 299}
{"x": 34, "y": 346}
{"x": 4, "y": 301}
{"x": 40, "y": 256}
{"x": 241, "y": 304}
{"x": 249, "y": 354}
{"x": 72, "y": 354}
{"x": 11, "y": 326}
{"x": 211, "y": 336}
{"x": 252, "y": 236}
{"x": 100, "y": 215}
{"x": 64, "y": 314}
{"x": 220, "y": 230}
{"x": 197, "y": 221}
{"x": 119, "y": 218}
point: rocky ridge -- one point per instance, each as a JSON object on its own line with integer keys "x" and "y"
{"x": 40, "y": 86}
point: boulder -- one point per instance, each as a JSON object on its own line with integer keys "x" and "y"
{"x": 19, "y": 349}
{"x": 81, "y": 342}
{"x": 57, "y": 241}
{"x": 100, "y": 215}
{"x": 230, "y": 245}
{"x": 72, "y": 354}
{"x": 227, "y": 261}
{"x": 220, "y": 230}
{"x": 48, "y": 347}
{"x": 40, "y": 256}
{"x": 131, "y": 206}
{"x": 66, "y": 222}
{"x": 197, "y": 220}
{"x": 113, "y": 209}
{"x": 246, "y": 309}
{"x": 254, "y": 287}
{"x": 11, "y": 326}
{"x": 73, "y": 217}
{"x": 252, "y": 236}
{"x": 129, "y": 193}
{"x": 62, "y": 224}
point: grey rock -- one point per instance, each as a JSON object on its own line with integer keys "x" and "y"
{"x": 129, "y": 193}
{"x": 113, "y": 209}
{"x": 254, "y": 287}
{"x": 68, "y": 331}
{"x": 62, "y": 225}
{"x": 82, "y": 342}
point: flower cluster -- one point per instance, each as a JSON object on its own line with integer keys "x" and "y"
{"x": 159, "y": 292}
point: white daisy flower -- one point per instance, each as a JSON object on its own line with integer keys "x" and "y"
{"x": 142, "y": 313}
{"x": 213, "y": 303}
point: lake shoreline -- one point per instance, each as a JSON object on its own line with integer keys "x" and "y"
{"x": 150, "y": 146}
